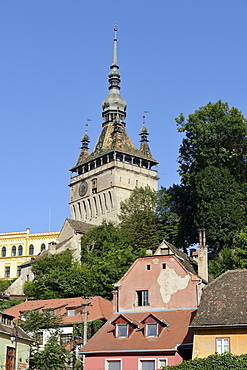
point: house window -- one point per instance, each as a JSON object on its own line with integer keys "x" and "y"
{"x": 148, "y": 267}
{"x": 122, "y": 330}
{"x": 20, "y": 250}
{"x": 40, "y": 338}
{"x": 113, "y": 365}
{"x": 71, "y": 312}
{"x": 65, "y": 338}
{"x": 3, "y": 251}
{"x": 13, "y": 251}
{"x": 147, "y": 364}
{"x": 164, "y": 266}
{"x": 31, "y": 249}
{"x": 222, "y": 345}
{"x": 18, "y": 271}
{"x": 42, "y": 248}
{"x": 152, "y": 329}
{"x": 162, "y": 362}
{"x": 142, "y": 297}
{"x": 7, "y": 271}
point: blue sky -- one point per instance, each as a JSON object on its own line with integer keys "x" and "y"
{"x": 174, "y": 56}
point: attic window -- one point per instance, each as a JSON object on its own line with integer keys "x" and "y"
{"x": 148, "y": 267}
{"x": 71, "y": 313}
{"x": 122, "y": 330}
{"x": 152, "y": 329}
{"x": 164, "y": 251}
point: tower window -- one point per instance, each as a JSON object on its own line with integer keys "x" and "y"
{"x": 94, "y": 186}
{"x": 142, "y": 297}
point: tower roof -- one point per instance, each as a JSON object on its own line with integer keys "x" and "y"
{"x": 113, "y": 136}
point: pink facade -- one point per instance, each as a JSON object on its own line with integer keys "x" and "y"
{"x": 168, "y": 283}
{"x": 133, "y": 361}
{"x": 154, "y": 304}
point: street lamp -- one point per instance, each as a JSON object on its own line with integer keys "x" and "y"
{"x": 14, "y": 339}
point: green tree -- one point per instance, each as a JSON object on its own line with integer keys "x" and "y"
{"x": 215, "y": 135}
{"x": 107, "y": 253}
{"x": 212, "y": 165}
{"x": 56, "y": 276}
{"x": 219, "y": 206}
{"x": 54, "y": 355}
{"x": 138, "y": 219}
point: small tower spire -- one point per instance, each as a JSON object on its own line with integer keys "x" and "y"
{"x": 84, "y": 144}
{"x": 144, "y": 147}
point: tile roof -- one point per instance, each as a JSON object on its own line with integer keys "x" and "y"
{"x": 224, "y": 301}
{"x": 8, "y": 330}
{"x": 175, "y": 334}
{"x": 79, "y": 226}
{"x": 98, "y": 308}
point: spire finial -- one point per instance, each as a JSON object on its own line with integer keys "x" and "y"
{"x": 114, "y": 57}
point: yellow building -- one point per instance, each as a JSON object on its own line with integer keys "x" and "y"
{"x": 221, "y": 321}
{"x": 19, "y": 247}
{"x": 14, "y": 344}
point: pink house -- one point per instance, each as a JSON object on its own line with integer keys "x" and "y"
{"x": 153, "y": 304}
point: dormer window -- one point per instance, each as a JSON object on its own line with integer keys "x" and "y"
{"x": 152, "y": 329}
{"x": 122, "y": 330}
{"x": 71, "y": 312}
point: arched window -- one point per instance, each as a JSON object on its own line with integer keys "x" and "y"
{"x": 31, "y": 249}
{"x": 20, "y": 250}
{"x": 42, "y": 248}
{"x": 3, "y": 251}
{"x": 13, "y": 251}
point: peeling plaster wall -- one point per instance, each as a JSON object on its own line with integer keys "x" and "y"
{"x": 171, "y": 287}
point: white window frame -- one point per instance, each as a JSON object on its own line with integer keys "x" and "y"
{"x": 151, "y": 323}
{"x": 162, "y": 359}
{"x": 117, "y": 330}
{"x": 220, "y": 343}
{"x": 107, "y": 360}
{"x": 146, "y": 359}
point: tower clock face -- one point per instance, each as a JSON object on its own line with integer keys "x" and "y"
{"x": 83, "y": 188}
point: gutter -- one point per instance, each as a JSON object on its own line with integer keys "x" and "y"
{"x": 224, "y": 326}
{"x": 137, "y": 350}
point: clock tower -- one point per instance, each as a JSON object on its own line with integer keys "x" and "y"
{"x": 100, "y": 180}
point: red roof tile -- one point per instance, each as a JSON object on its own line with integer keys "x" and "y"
{"x": 98, "y": 308}
{"x": 176, "y": 333}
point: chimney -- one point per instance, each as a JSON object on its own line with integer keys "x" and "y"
{"x": 115, "y": 301}
{"x": 202, "y": 255}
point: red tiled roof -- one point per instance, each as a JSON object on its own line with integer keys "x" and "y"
{"x": 98, "y": 308}
{"x": 176, "y": 333}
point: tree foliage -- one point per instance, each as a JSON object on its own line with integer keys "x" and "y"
{"x": 139, "y": 220}
{"x": 213, "y": 362}
{"x": 56, "y": 276}
{"x": 212, "y": 165}
{"x": 215, "y": 135}
{"x": 54, "y": 355}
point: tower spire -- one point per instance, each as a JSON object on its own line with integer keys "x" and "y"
{"x": 114, "y": 102}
